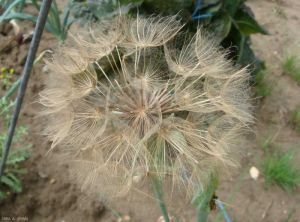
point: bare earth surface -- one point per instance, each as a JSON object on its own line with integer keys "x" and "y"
{"x": 49, "y": 196}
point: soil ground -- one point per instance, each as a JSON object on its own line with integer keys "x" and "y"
{"x": 49, "y": 196}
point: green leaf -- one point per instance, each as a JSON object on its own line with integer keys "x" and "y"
{"x": 231, "y": 6}
{"x": 20, "y": 132}
{"x": 220, "y": 26}
{"x": 247, "y": 25}
{"x": 2, "y": 195}
{"x": 18, "y": 156}
{"x": 21, "y": 16}
{"x": 166, "y": 6}
{"x": 34, "y": 2}
{"x": 246, "y": 57}
{"x": 17, "y": 183}
{"x": 12, "y": 182}
{"x": 19, "y": 171}
{"x": 9, "y": 10}
{"x": 212, "y": 6}
{"x": 54, "y": 15}
{"x": 66, "y": 18}
{"x": 126, "y": 2}
{"x": 49, "y": 26}
{"x": 66, "y": 22}
{"x": 21, "y": 6}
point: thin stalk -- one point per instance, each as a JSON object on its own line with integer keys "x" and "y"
{"x": 12, "y": 89}
{"x": 223, "y": 209}
{"x": 114, "y": 212}
{"x": 42, "y": 17}
{"x": 241, "y": 49}
{"x": 202, "y": 213}
{"x": 9, "y": 9}
{"x": 233, "y": 192}
{"x": 157, "y": 187}
{"x": 203, "y": 198}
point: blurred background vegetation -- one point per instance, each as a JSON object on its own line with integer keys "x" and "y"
{"x": 231, "y": 21}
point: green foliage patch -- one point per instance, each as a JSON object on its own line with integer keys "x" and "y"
{"x": 295, "y": 118}
{"x": 6, "y": 77}
{"x": 279, "y": 168}
{"x": 231, "y": 21}
{"x": 57, "y": 24}
{"x": 291, "y": 67}
{"x": 262, "y": 88}
{"x": 10, "y": 182}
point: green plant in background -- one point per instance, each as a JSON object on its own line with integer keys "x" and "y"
{"x": 6, "y": 77}
{"x": 56, "y": 24}
{"x": 231, "y": 21}
{"x": 11, "y": 9}
{"x": 267, "y": 143}
{"x": 290, "y": 66}
{"x": 262, "y": 88}
{"x": 11, "y": 5}
{"x": 279, "y": 168}
{"x": 295, "y": 118}
{"x": 10, "y": 182}
{"x": 93, "y": 10}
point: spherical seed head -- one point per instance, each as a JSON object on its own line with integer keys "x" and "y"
{"x": 126, "y": 103}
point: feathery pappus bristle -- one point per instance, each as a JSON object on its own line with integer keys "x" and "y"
{"x": 124, "y": 102}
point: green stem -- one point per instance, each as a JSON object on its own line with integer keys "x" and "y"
{"x": 203, "y": 198}
{"x": 202, "y": 213}
{"x": 114, "y": 212}
{"x": 157, "y": 187}
{"x": 241, "y": 49}
{"x": 12, "y": 89}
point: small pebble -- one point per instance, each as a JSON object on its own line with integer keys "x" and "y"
{"x": 52, "y": 181}
{"x": 42, "y": 175}
{"x": 161, "y": 219}
{"x": 126, "y": 218}
{"x": 137, "y": 179}
{"x": 254, "y": 173}
{"x": 45, "y": 69}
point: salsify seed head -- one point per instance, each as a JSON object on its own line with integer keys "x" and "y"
{"x": 133, "y": 98}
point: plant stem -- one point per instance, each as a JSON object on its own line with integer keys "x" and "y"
{"x": 203, "y": 198}
{"x": 223, "y": 209}
{"x": 12, "y": 89}
{"x": 157, "y": 187}
{"x": 241, "y": 49}
{"x": 202, "y": 213}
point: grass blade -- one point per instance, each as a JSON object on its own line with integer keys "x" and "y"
{"x": 9, "y": 9}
